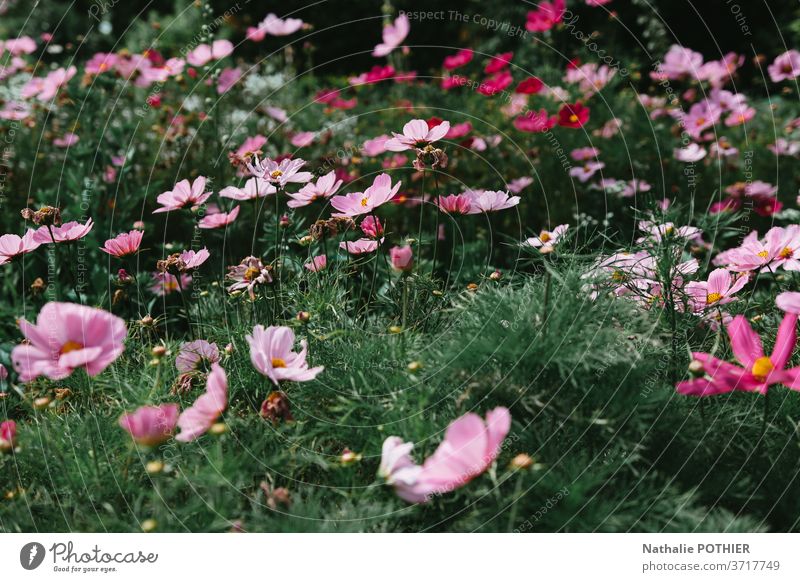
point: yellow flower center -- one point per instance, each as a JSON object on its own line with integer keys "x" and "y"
{"x": 763, "y": 254}
{"x": 544, "y": 236}
{"x": 573, "y": 118}
{"x": 251, "y": 273}
{"x": 364, "y": 201}
{"x": 712, "y": 298}
{"x": 786, "y": 253}
{"x": 700, "y": 121}
{"x": 618, "y": 276}
{"x": 71, "y": 346}
{"x": 278, "y": 363}
{"x": 276, "y": 174}
{"x": 762, "y": 367}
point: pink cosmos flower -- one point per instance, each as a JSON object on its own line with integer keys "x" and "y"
{"x": 740, "y": 115}
{"x": 247, "y": 274}
{"x": 272, "y": 355}
{"x": 357, "y": 203}
{"x": 461, "y": 58}
{"x": 287, "y": 171}
{"x": 317, "y": 264}
{"x": 196, "y": 355}
{"x": 548, "y": 239}
{"x": 416, "y": 134}
{"x": 535, "y": 121}
{"x": 402, "y": 258}
{"x": 184, "y": 194}
{"x": 166, "y": 283}
{"x": 519, "y": 184}
{"x": 455, "y": 203}
{"x": 200, "y": 416}
{"x": 784, "y": 147}
{"x": 218, "y": 219}
{"x": 67, "y": 232}
{"x": 546, "y": 16}
{"x": 204, "y": 53}
{"x": 274, "y": 26}
{"x": 302, "y": 139}
{"x": 754, "y": 254}
{"x": 490, "y": 201}
{"x": 691, "y": 153}
{"x": 8, "y": 436}
{"x": 360, "y": 247}
{"x": 13, "y": 246}
{"x": 251, "y": 145}
{"x": 18, "y": 46}
{"x": 678, "y": 62}
{"x": 123, "y": 244}
{"x": 68, "y": 336}
{"x": 758, "y": 373}
{"x": 585, "y": 172}
{"x": 45, "y": 89}
{"x": 789, "y": 302}
{"x": 67, "y": 140}
{"x": 254, "y": 188}
{"x": 718, "y": 290}
{"x": 469, "y": 448}
{"x": 583, "y": 154}
{"x": 151, "y": 425}
{"x": 371, "y": 226}
{"x": 393, "y": 36}
{"x": 785, "y": 67}
{"x": 192, "y": 260}
{"x": 325, "y": 187}
{"x": 228, "y": 78}
{"x": 498, "y": 62}
{"x": 375, "y": 146}
{"x": 495, "y": 83}
{"x": 100, "y": 63}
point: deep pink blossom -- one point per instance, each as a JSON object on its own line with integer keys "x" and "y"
{"x": 150, "y": 426}
{"x": 357, "y": 203}
{"x": 219, "y": 219}
{"x": 123, "y": 244}
{"x": 200, "y": 416}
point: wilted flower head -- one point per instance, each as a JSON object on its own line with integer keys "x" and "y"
{"x": 248, "y": 274}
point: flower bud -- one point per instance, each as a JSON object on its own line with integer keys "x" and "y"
{"x": 472, "y": 287}
{"x": 349, "y": 457}
{"x": 696, "y": 368}
{"x": 149, "y": 525}
{"x": 154, "y": 467}
{"x": 521, "y": 461}
{"x": 414, "y": 366}
{"x": 159, "y": 351}
{"x": 395, "y": 329}
{"x": 146, "y": 321}
{"x": 41, "y": 403}
{"x": 303, "y": 316}
{"x": 218, "y": 428}
{"x": 496, "y": 276}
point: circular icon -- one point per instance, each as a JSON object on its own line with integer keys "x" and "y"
{"x": 31, "y": 555}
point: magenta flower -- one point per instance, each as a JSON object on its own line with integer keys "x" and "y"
{"x": 150, "y": 425}
{"x": 317, "y": 264}
{"x": 272, "y": 355}
{"x": 416, "y": 134}
{"x": 393, "y": 35}
{"x": 546, "y": 16}
{"x": 402, "y": 258}
{"x": 197, "y": 355}
{"x": 123, "y": 244}
{"x": 325, "y": 187}
{"x": 68, "y": 336}
{"x": 359, "y": 247}
{"x": 461, "y": 58}
{"x": 204, "y": 53}
{"x": 535, "y": 121}
{"x": 758, "y": 373}
{"x": 200, "y": 416}
{"x": 67, "y": 232}
{"x": 490, "y": 201}
{"x": 371, "y": 226}
{"x": 184, "y": 194}
{"x": 8, "y": 436}
{"x": 13, "y": 246}
{"x": 357, "y": 203}
{"x": 218, "y": 219}
{"x": 718, "y": 290}
{"x": 785, "y": 67}
{"x": 469, "y": 448}
{"x": 254, "y": 188}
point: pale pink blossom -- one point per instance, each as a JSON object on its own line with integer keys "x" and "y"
{"x": 150, "y": 426}
{"x": 166, "y": 283}
{"x": 272, "y": 354}
{"x": 455, "y": 203}
{"x": 325, "y": 187}
{"x": 183, "y": 194}
{"x": 519, "y": 184}
{"x": 393, "y": 35}
{"x": 13, "y": 246}
{"x": 317, "y": 264}
{"x": 357, "y": 203}
{"x": 416, "y": 134}
{"x": 546, "y": 240}
{"x": 218, "y": 219}
{"x": 490, "y": 201}
{"x": 360, "y": 246}
{"x": 274, "y": 26}
{"x": 67, "y": 232}
{"x": 281, "y": 173}
{"x": 247, "y": 275}
{"x": 68, "y": 336}
{"x": 204, "y": 53}
{"x": 196, "y": 355}
{"x": 690, "y": 153}
{"x": 718, "y": 290}
{"x": 785, "y": 67}
{"x": 254, "y": 188}
{"x": 302, "y": 139}
{"x": 375, "y": 146}
{"x": 200, "y": 416}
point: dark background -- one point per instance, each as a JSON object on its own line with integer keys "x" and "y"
{"x": 709, "y": 26}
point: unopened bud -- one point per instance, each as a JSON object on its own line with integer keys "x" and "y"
{"x": 521, "y": 461}
{"x": 472, "y": 287}
{"x": 146, "y": 321}
{"x": 149, "y": 525}
{"x": 395, "y": 329}
{"x": 218, "y": 428}
{"x": 41, "y": 403}
{"x": 496, "y": 276}
{"x": 696, "y": 368}
{"x": 303, "y": 316}
{"x": 159, "y": 351}
{"x": 414, "y": 366}
{"x": 349, "y": 457}
{"x": 154, "y": 467}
